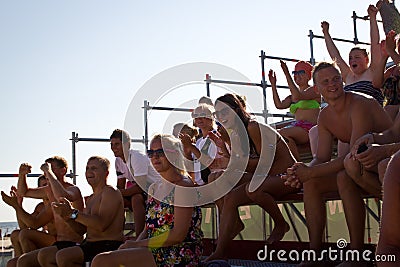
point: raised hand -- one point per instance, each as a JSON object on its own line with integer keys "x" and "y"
{"x": 325, "y": 27}
{"x": 46, "y": 167}
{"x": 272, "y": 77}
{"x": 25, "y": 168}
{"x": 63, "y": 208}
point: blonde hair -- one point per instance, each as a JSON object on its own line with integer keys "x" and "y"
{"x": 173, "y": 150}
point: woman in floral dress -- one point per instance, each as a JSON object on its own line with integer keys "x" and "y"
{"x": 172, "y": 236}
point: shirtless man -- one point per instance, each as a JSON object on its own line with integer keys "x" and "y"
{"x": 28, "y": 238}
{"x": 103, "y": 217}
{"x": 54, "y": 169}
{"x": 344, "y": 118}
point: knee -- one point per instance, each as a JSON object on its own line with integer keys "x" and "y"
{"x": 62, "y": 259}
{"x": 15, "y": 236}
{"x": 23, "y": 260}
{"x": 100, "y": 260}
{"x": 382, "y": 165}
{"x": 392, "y": 171}
{"x": 42, "y": 258}
{"x": 12, "y": 262}
{"x": 24, "y": 235}
{"x": 352, "y": 167}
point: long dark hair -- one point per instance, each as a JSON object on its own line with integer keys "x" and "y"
{"x": 234, "y": 103}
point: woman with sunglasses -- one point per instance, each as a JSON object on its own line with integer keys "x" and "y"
{"x": 303, "y": 102}
{"x": 172, "y": 234}
{"x": 266, "y": 156}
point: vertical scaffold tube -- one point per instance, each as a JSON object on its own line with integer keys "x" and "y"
{"x": 146, "y": 132}
{"x": 264, "y": 87}
{"x": 74, "y": 140}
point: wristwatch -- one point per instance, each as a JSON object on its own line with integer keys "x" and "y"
{"x": 74, "y": 214}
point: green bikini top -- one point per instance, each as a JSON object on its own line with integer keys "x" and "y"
{"x": 304, "y": 104}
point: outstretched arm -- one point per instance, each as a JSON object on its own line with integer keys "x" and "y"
{"x": 36, "y": 219}
{"x": 73, "y": 194}
{"x": 297, "y": 94}
{"x": 22, "y": 188}
{"x": 279, "y": 104}
{"x": 333, "y": 51}
{"x": 376, "y": 55}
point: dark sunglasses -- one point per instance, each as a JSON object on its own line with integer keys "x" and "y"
{"x": 200, "y": 115}
{"x": 298, "y": 72}
{"x": 158, "y": 152}
{"x": 222, "y": 112}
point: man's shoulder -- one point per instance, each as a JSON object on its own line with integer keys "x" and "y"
{"x": 110, "y": 192}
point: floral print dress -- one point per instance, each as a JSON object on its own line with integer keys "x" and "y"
{"x": 160, "y": 219}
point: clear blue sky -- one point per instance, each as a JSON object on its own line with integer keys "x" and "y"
{"x": 75, "y": 65}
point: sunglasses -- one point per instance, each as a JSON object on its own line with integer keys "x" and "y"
{"x": 298, "y": 72}
{"x": 200, "y": 115}
{"x": 222, "y": 112}
{"x": 158, "y": 152}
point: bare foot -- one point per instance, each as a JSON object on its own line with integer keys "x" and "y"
{"x": 12, "y": 201}
{"x": 278, "y": 233}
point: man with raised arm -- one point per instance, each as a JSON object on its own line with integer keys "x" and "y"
{"x": 55, "y": 169}
{"x": 103, "y": 218}
{"x": 344, "y": 118}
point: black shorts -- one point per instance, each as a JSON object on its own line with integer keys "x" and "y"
{"x": 64, "y": 244}
{"x": 91, "y": 249}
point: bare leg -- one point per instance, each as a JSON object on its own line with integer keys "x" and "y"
{"x": 313, "y": 137}
{"x": 382, "y": 166}
{"x": 12, "y": 262}
{"x": 134, "y": 257}
{"x": 47, "y": 256}
{"x": 32, "y": 239}
{"x": 230, "y": 224}
{"x": 366, "y": 179}
{"x": 389, "y": 239}
{"x": 70, "y": 257}
{"x": 353, "y": 209}
{"x": 138, "y": 208}
{"x": 314, "y": 205}
{"x": 15, "y": 242}
{"x": 273, "y": 187}
{"x": 29, "y": 259}
{"x": 295, "y": 136}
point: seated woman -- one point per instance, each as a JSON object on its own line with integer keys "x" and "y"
{"x": 303, "y": 103}
{"x": 174, "y": 240}
{"x": 206, "y": 155}
{"x": 267, "y": 156}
